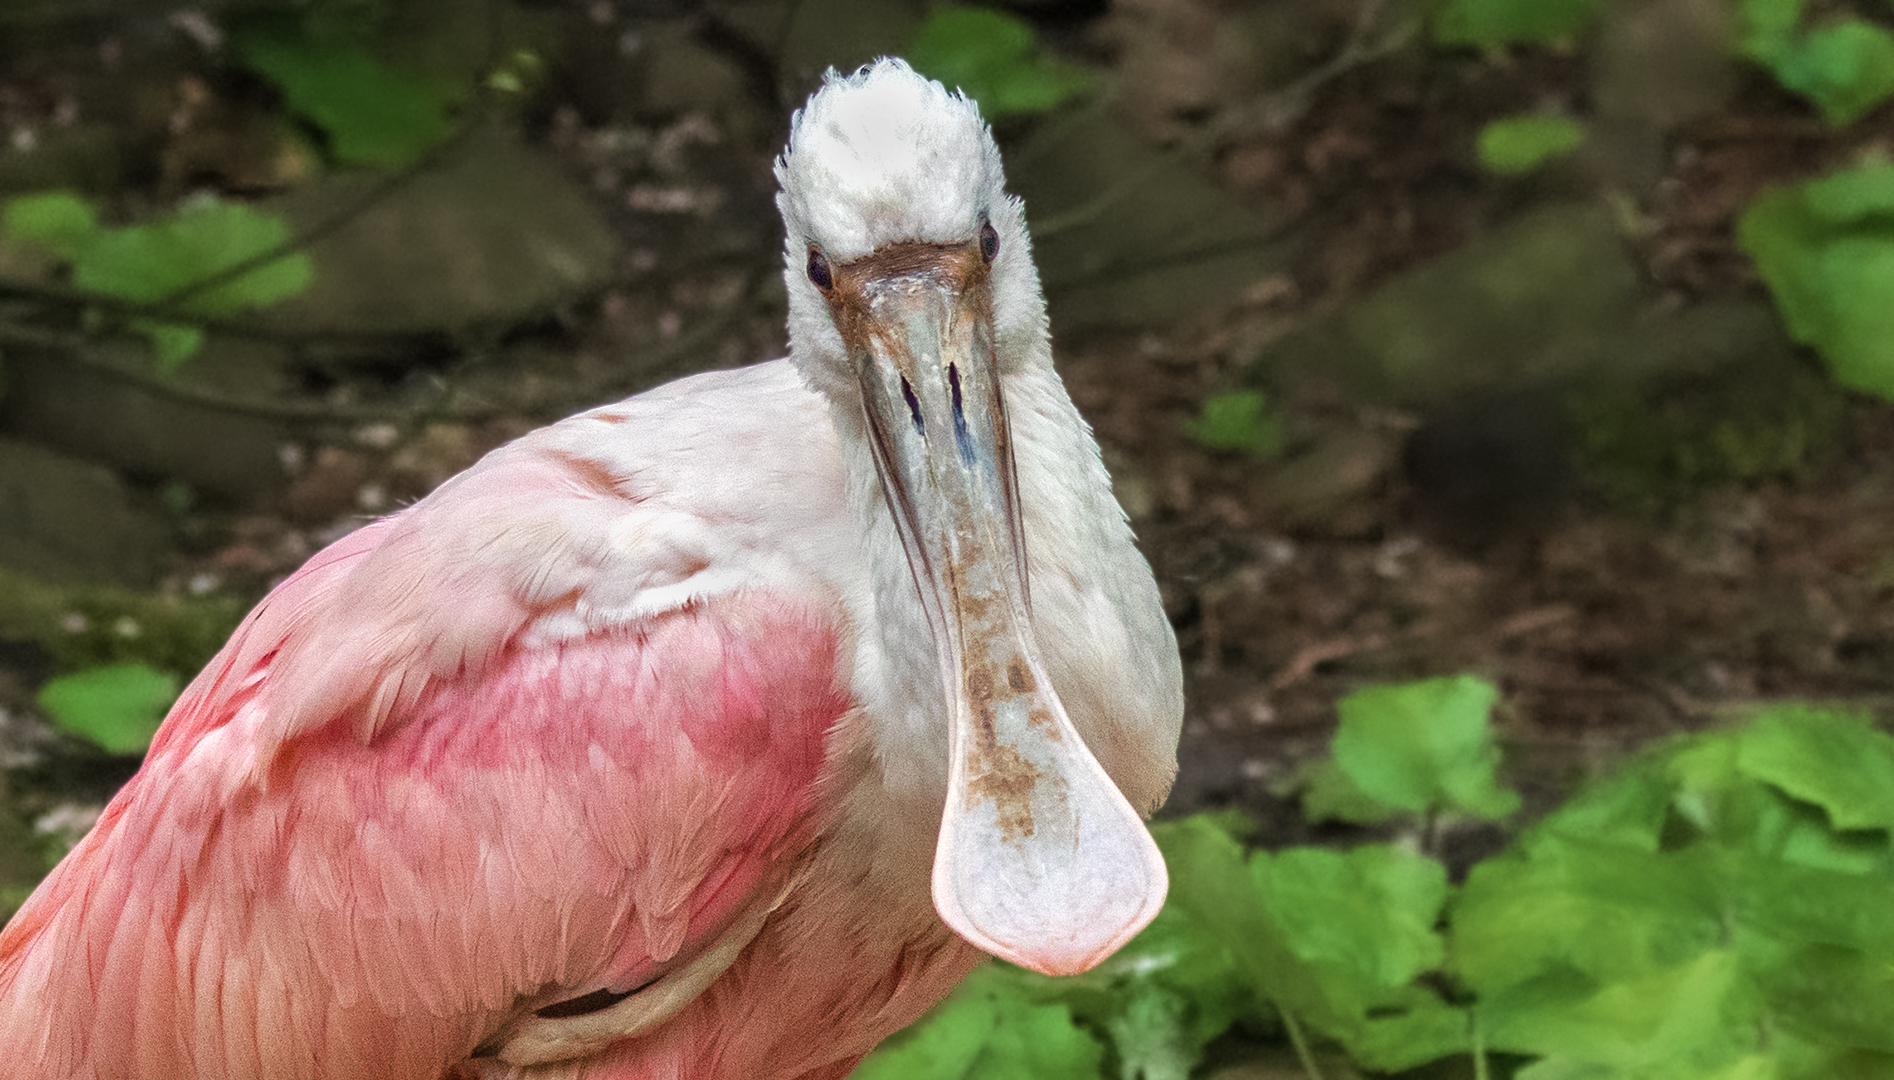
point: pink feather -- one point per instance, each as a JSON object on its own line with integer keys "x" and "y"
{"x": 350, "y": 861}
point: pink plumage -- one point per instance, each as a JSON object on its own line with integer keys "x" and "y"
{"x": 707, "y": 735}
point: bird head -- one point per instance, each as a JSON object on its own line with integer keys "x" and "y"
{"x": 912, "y": 292}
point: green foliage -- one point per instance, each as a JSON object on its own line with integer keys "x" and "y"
{"x": 1489, "y": 24}
{"x": 1721, "y": 909}
{"x": 1238, "y": 420}
{"x": 1825, "y": 248}
{"x": 1515, "y": 145}
{"x": 117, "y": 707}
{"x": 373, "y": 113}
{"x": 152, "y": 262}
{"x": 1148, "y": 1010}
{"x": 1676, "y": 921}
{"x": 165, "y": 261}
{"x": 993, "y": 58}
{"x": 1845, "y": 66}
{"x": 1830, "y": 760}
{"x": 59, "y": 221}
{"x": 991, "y": 1028}
{"x": 1417, "y": 748}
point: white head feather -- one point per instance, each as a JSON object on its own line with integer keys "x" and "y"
{"x": 883, "y": 156}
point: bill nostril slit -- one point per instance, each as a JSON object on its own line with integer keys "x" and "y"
{"x": 914, "y": 405}
{"x": 961, "y": 435}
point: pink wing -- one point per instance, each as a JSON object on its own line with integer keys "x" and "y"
{"x": 396, "y": 811}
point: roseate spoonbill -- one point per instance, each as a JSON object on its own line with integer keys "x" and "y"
{"x": 641, "y": 748}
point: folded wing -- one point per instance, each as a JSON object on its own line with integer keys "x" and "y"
{"x": 474, "y": 761}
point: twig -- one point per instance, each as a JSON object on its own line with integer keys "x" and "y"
{"x": 1300, "y": 1041}
{"x": 1477, "y": 1037}
{"x": 1367, "y": 42}
{"x": 1273, "y": 111}
{"x": 82, "y": 350}
{"x": 168, "y": 308}
{"x": 480, "y": 110}
{"x": 1152, "y": 264}
{"x": 1310, "y": 657}
{"x": 123, "y": 311}
{"x": 90, "y": 350}
{"x": 345, "y": 215}
{"x": 665, "y": 358}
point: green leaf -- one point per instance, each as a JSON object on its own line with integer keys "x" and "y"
{"x": 118, "y": 707}
{"x": 1332, "y": 795}
{"x": 150, "y": 262}
{"x": 1686, "y": 1021}
{"x": 1424, "y": 745}
{"x": 1360, "y": 927}
{"x": 171, "y": 343}
{"x": 1626, "y": 809}
{"x": 1419, "y": 1029}
{"x": 156, "y": 261}
{"x": 1168, "y": 992}
{"x": 1370, "y": 910}
{"x": 1580, "y": 914}
{"x": 1768, "y": 27}
{"x": 1828, "y": 757}
{"x": 372, "y": 113}
{"x": 989, "y": 1030}
{"x": 1804, "y": 1060}
{"x": 1750, "y": 932}
{"x": 1516, "y": 145}
{"x": 1490, "y": 24}
{"x": 1212, "y": 888}
{"x": 1836, "y": 996}
{"x": 1794, "y": 906}
{"x": 1825, "y": 248}
{"x": 60, "y": 221}
{"x": 992, "y": 57}
{"x": 1347, "y": 978}
{"x": 1846, "y": 67}
{"x": 1153, "y": 1037}
{"x": 1238, "y": 420}
{"x": 1720, "y": 909}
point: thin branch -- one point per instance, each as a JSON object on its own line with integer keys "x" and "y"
{"x": 122, "y": 312}
{"x": 667, "y": 358}
{"x": 85, "y": 351}
{"x": 1301, "y": 1043}
{"x": 333, "y": 223}
{"x": 167, "y": 308}
{"x": 1367, "y": 42}
{"x": 1478, "y": 1039}
{"x": 88, "y": 350}
{"x": 480, "y": 111}
{"x": 1152, "y": 264}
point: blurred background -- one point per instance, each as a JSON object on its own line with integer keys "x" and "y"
{"x": 1546, "y": 341}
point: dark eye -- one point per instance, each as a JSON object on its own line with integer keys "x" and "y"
{"x": 989, "y": 241}
{"x": 819, "y": 271}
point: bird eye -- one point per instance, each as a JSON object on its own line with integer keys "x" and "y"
{"x": 819, "y": 271}
{"x": 989, "y": 241}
